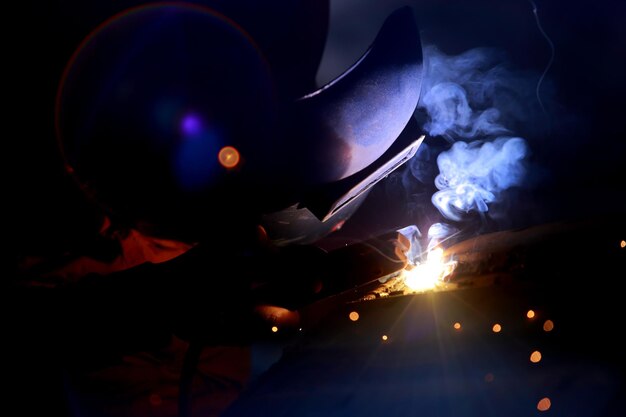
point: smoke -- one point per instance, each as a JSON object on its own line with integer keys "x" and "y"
{"x": 439, "y": 232}
{"x": 475, "y": 103}
{"x": 474, "y": 95}
{"x": 472, "y": 175}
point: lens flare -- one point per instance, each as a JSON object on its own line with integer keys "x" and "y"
{"x": 228, "y": 157}
{"x": 191, "y": 124}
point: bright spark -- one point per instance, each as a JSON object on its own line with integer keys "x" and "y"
{"x": 548, "y": 325}
{"x": 544, "y": 404}
{"x": 535, "y": 357}
{"x": 429, "y": 274}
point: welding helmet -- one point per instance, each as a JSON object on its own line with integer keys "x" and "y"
{"x": 174, "y": 117}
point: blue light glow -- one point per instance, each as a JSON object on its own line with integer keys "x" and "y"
{"x": 191, "y": 124}
{"x": 196, "y": 161}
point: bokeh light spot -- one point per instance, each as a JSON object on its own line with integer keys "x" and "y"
{"x": 544, "y": 404}
{"x": 457, "y": 326}
{"x": 384, "y": 337}
{"x": 622, "y": 244}
{"x": 191, "y": 124}
{"x": 496, "y": 328}
{"x": 274, "y": 329}
{"x": 354, "y": 316}
{"x": 535, "y": 356}
{"x": 530, "y": 314}
{"x": 228, "y": 157}
{"x": 548, "y": 325}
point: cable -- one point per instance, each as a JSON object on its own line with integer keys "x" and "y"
{"x": 550, "y": 61}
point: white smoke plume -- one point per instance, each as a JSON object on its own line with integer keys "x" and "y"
{"x": 473, "y": 175}
{"x": 473, "y": 101}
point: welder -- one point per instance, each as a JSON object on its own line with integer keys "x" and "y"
{"x": 197, "y": 131}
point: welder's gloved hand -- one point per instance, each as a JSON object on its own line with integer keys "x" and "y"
{"x": 284, "y": 281}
